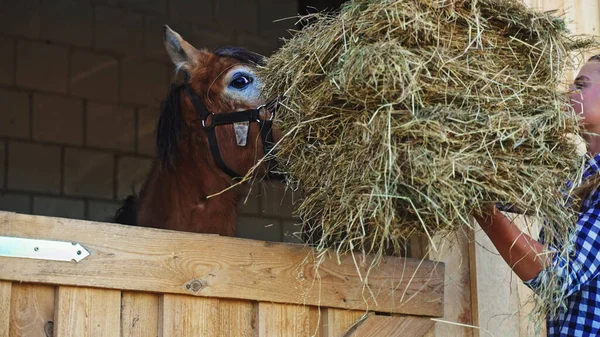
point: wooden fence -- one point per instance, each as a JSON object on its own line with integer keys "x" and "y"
{"x": 148, "y": 282}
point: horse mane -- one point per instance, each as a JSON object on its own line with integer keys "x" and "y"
{"x": 169, "y": 127}
{"x": 168, "y": 130}
{"x": 126, "y": 214}
{"x": 240, "y": 54}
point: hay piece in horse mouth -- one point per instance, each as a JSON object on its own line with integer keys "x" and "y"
{"x": 406, "y": 117}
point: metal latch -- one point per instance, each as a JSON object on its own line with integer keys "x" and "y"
{"x": 42, "y": 249}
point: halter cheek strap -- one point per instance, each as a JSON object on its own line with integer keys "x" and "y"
{"x": 210, "y": 121}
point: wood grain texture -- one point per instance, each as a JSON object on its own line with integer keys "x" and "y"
{"x": 378, "y": 326}
{"x": 288, "y": 320}
{"x": 152, "y": 260}
{"x": 31, "y": 310}
{"x": 87, "y": 312}
{"x": 188, "y": 316}
{"x": 473, "y": 280}
{"x": 497, "y": 295}
{"x": 237, "y": 318}
{"x": 336, "y": 322}
{"x": 139, "y": 314}
{"x": 454, "y": 252}
{"x": 5, "y": 290}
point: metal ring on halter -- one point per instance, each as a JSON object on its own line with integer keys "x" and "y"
{"x": 258, "y": 109}
{"x": 205, "y": 119}
{"x": 267, "y": 111}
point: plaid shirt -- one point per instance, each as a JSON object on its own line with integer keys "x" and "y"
{"x": 581, "y": 284}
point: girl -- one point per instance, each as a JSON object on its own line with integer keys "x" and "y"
{"x": 579, "y": 273}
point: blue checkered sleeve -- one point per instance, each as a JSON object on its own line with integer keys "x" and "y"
{"x": 583, "y": 260}
{"x": 577, "y": 275}
{"x": 577, "y": 271}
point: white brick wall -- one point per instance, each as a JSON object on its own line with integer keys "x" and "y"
{"x": 146, "y": 6}
{"x": 89, "y": 173}
{"x": 15, "y": 202}
{"x": 132, "y": 172}
{"x": 110, "y": 126}
{"x": 20, "y": 18}
{"x": 7, "y": 61}
{"x": 42, "y": 66}
{"x": 14, "y": 114}
{"x": 118, "y": 30}
{"x": 67, "y": 21}
{"x": 94, "y": 76}
{"x": 61, "y": 207}
{"x": 144, "y": 83}
{"x": 57, "y": 119}
{"x": 191, "y": 11}
{"x": 2, "y": 165}
{"x": 80, "y": 87}
{"x": 34, "y": 167}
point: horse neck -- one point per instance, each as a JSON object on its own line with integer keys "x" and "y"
{"x": 176, "y": 199}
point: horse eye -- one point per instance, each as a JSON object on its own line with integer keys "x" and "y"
{"x": 240, "y": 82}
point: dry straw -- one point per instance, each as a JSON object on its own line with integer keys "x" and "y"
{"x": 405, "y": 117}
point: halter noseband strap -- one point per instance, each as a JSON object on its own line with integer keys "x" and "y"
{"x": 211, "y": 120}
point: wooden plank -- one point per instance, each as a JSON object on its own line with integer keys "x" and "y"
{"x": 497, "y": 301}
{"x": 5, "y": 290}
{"x": 453, "y": 250}
{"x": 473, "y": 279}
{"x": 181, "y": 315}
{"x": 389, "y": 326}
{"x": 153, "y": 260}
{"x": 315, "y": 322}
{"x": 139, "y": 314}
{"x": 237, "y": 318}
{"x": 287, "y": 320}
{"x": 336, "y": 322}
{"x": 188, "y": 316}
{"x": 87, "y": 312}
{"x": 31, "y": 310}
{"x": 418, "y": 246}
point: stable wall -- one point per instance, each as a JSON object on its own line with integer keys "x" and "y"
{"x": 80, "y": 86}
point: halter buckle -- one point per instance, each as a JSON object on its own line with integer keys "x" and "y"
{"x": 263, "y": 107}
{"x": 206, "y": 118}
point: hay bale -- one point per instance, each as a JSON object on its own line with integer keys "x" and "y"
{"x": 405, "y": 117}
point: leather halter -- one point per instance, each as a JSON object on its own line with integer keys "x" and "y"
{"x": 211, "y": 120}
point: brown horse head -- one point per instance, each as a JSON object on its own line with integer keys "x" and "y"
{"x": 221, "y": 82}
{"x": 213, "y": 127}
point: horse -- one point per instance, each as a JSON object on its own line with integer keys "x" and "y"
{"x": 213, "y": 129}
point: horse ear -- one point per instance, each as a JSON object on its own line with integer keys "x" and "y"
{"x": 181, "y": 52}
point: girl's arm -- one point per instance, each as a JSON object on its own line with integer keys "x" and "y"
{"x": 572, "y": 269}
{"x": 522, "y": 253}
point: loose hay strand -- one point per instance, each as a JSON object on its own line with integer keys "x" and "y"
{"x": 409, "y": 116}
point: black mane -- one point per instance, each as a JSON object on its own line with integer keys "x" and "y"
{"x": 240, "y": 54}
{"x": 169, "y": 127}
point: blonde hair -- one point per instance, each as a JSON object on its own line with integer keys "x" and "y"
{"x": 591, "y": 184}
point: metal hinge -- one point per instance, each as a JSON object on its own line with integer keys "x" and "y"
{"x": 42, "y": 249}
